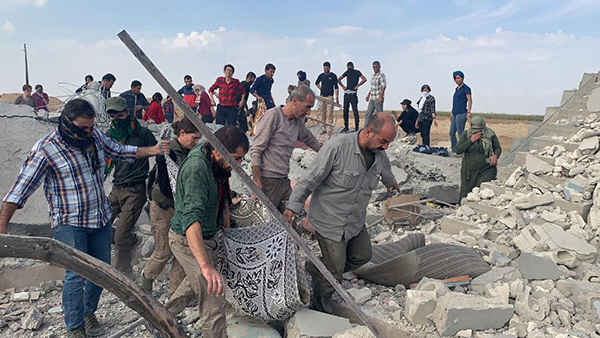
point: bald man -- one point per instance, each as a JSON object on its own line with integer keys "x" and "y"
{"x": 341, "y": 179}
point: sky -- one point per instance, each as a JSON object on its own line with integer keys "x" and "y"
{"x": 517, "y": 55}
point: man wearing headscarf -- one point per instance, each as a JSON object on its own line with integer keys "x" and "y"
{"x": 302, "y": 80}
{"x": 462, "y": 102}
{"x": 481, "y": 149}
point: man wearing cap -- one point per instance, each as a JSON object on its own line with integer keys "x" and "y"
{"x": 461, "y": 107}
{"x": 128, "y": 196}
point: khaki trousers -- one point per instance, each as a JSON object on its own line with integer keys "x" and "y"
{"x": 127, "y": 203}
{"x": 210, "y": 307}
{"x": 326, "y": 110}
{"x": 338, "y": 257}
{"x": 278, "y": 191}
{"x": 160, "y": 220}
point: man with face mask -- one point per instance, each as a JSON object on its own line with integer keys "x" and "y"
{"x": 276, "y": 132}
{"x": 202, "y": 200}
{"x": 128, "y": 196}
{"x": 341, "y": 180}
{"x": 70, "y": 163}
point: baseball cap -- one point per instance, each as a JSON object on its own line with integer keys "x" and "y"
{"x": 117, "y": 104}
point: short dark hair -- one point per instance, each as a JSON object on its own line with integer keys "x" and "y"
{"x": 184, "y": 124}
{"x": 157, "y": 97}
{"x": 135, "y": 83}
{"x": 251, "y": 74}
{"x": 109, "y": 77}
{"x": 187, "y": 77}
{"x": 232, "y": 138}
{"x": 38, "y": 86}
{"x": 377, "y": 122}
{"x": 350, "y": 64}
{"x": 255, "y": 103}
{"x": 26, "y": 87}
{"x": 270, "y": 66}
{"x": 376, "y": 63}
{"x": 229, "y": 65}
{"x": 425, "y": 86}
{"x": 91, "y": 78}
{"x": 79, "y": 108}
{"x": 326, "y": 64}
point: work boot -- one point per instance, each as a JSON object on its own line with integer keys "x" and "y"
{"x": 146, "y": 283}
{"x": 77, "y": 333}
{"x": 92, "y": 327}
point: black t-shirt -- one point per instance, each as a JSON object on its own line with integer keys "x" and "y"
{"x": 328, "y": 83}
{"x": 353, "y": 75}
{"x": 246, "y": 87}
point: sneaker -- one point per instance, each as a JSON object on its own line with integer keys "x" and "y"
{"x": 146, "y": 283}
{"x": 92, "y": 327}
{"x": 77, "y": 333}
{"x": 345, "y": 130}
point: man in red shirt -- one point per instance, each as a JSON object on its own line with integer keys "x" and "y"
{"x": 41, "y": 98}
{"x": 230, "y": 90}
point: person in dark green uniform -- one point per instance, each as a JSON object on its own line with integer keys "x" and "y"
{"x": 128, "y": 195}
{"x": 481, "y": 150}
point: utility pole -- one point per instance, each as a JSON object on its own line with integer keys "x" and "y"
{"x": 26, "y": 65}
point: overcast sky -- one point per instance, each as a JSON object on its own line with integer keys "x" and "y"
{"x": 517, "y": 56}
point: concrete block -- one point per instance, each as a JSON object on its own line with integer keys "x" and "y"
{"x": 579, "y": 183}
{"x": 455, "y": 312}
{"x": 531, "y": 308}
{"x": 538, "y": 182}
{"x": 20, "y": 297}
{"x": 514, "y": 177}
{"x": 467, "y": 210}
{"x": 400, "y": 175}
{"x": 532, "y": 200}
{"x": 498, "y": 291}
{"x": 590, "y": 145}
{"x": 307, "y": 323}
{"x": 495, "y": 275}
{"x": 445, "y": 192}
{"x": 435, "y": 285}
{"x": 536, "y": 166}
{"x": 454, "y": 226}
{"x": 419, "y": 305}
{"x": 484, "y": 209}
{"x": 360, "y": 295}
{"x": 33, "y": 320}
{"x": 534, "y": 267}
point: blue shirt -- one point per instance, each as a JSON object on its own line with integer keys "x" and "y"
{"x": 133, "y": 101}
{"x": 262, "y": 87}
{"x": 459, "y": 102}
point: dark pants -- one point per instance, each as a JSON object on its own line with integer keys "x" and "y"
{"x": 425, "y": 127}
{"x": 242, "y": 120}
{"x": 268, "y": 102}
{"x": 278, "y": 191}
{"x": 409, "y": 127}
{"x": 127, "y": 203}
{"x": 80, "y": 296}
{"x": 227, "y": 116}
{"x": 338, "y": 257}
{"x": 169, "y": 118}
{"x": 351, "y": 99}
{"x": 208, "y": 118}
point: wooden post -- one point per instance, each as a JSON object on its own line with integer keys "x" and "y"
{"x": 92, "y": 269}
{"x": 190, "y": 114}
{"x": 26, "y": 64}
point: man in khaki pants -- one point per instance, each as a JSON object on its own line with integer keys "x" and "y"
{"x": 201, "y": 209}
{"x": 327, "y": 82}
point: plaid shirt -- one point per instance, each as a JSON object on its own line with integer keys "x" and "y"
{"x": 75, "y": 193}
{"x": 229, "y": 93}
{"x": 378, "y": 82}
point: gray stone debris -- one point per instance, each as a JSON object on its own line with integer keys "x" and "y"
{"x": 307, "y": 323}
{"x": 33, "y": 320}
{"x": 361, "y": 296}
{"x": 534, "y": 267}
{"x": 532, "y": 200}
{"x": 537, "y": 166}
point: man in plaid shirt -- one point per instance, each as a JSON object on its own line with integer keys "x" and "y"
{"x": 70, "y": 161}
{"x": 375, "y": 96}
{"x": 230, "y": 92}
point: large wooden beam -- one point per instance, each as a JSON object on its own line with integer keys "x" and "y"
{"x": 206, "y": 132}
{"x": 100, "y": 273}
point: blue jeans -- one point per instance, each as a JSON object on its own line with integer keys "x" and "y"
{"x": 457, "y": 125}
{"x": 80, "y": 296}
{"x": 373, "y": 108}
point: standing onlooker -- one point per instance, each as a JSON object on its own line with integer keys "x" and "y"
{"x": 136, "y": 101}
{"x": 230, "y": 90}
{"x": 327, "y": 82}
{"x": 350, "y": 96}
{"x": 276, "y": 132}
{"x": 187, "y": 91}
{"x": 70, "y": 162}
{"x": 162, "y": 208}
{"x": 427, "y": 114}
{"x": 408, "y": 119}
{"x": 261, "y": 89}
{"x": 128, "y": 195}
{"x": 41, "y": 98}
{"x": 108, "y": 81}
{"x": 205, "y": 109}
{"x": 169, "y": 109}
{"x": 88, "y": 79}
{"x": 377, "y": 92}
{"x": 302, "y": 80}
{"x": 252, "y": 114}
{"x": 243, "y": 112}
{"x": 26, "y": 98}
{"x": 155, "y": 112}
{"x": 461, "y": 107}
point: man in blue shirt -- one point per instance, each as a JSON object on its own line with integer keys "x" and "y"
{"x": 136, "y": 101}
{"x": 261, "y": 89}
{"x": 461, "y": 107}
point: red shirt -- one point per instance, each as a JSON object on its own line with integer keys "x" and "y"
{"x": 228, "y": 92}
{"x": 39, "y": 101}
{"x": 204, "y": 105}
{"x": 155, "y": 113}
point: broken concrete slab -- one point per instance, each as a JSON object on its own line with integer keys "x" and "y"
{"x": 435, "y": 285}
{"x": 445, "y": 192}
{"x": 495, "y": 275}
{"x": 245, "y": 327}
{"x": 579, "y": 183}
{"x": 356, "y": 332}
{"x": 400, "y": 175}
{"x": 307, "y": 323}
{"x": 537, "y": 166}
{"x": 532, "y": 200}
{"x": 483, "y": 209}
{"x": 534, "y": 267}
{"x": 589, "y": 145}
{"x": 455, "y": 312}
{"x": 360, "y": 295}
{"x": 454, "y": 226}
{"x": 531, "y": 308}
{"x": 538, "y": 182}
{"x": 419, "y": 305}
{"x": 33, "y": 320}
{"x": 467, "y": 210}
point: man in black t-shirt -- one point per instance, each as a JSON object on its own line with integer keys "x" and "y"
{"x": 350, "y": 96}
{"x": 327, "y": 82}
{"x": 242, "y": 117}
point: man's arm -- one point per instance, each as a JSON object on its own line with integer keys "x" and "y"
{"x": 305, "y": 135}
{"x": 318, "y": 82}
{"x": 196, "y": 244}
{"x": 387, "y": 177}
{"x": 363, "y": 79}
{"x": 6, "y": 213}
{"x": 340, "y": 81}
{"x": 211, "y": 91}
{"x": 469, "y": 105}
{"x": 265, "y": 127}
{"x": 122, "y": 152}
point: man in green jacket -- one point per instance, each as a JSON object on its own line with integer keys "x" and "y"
{"x": 128, "y": 196}
{"x": 202, "y": 201}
